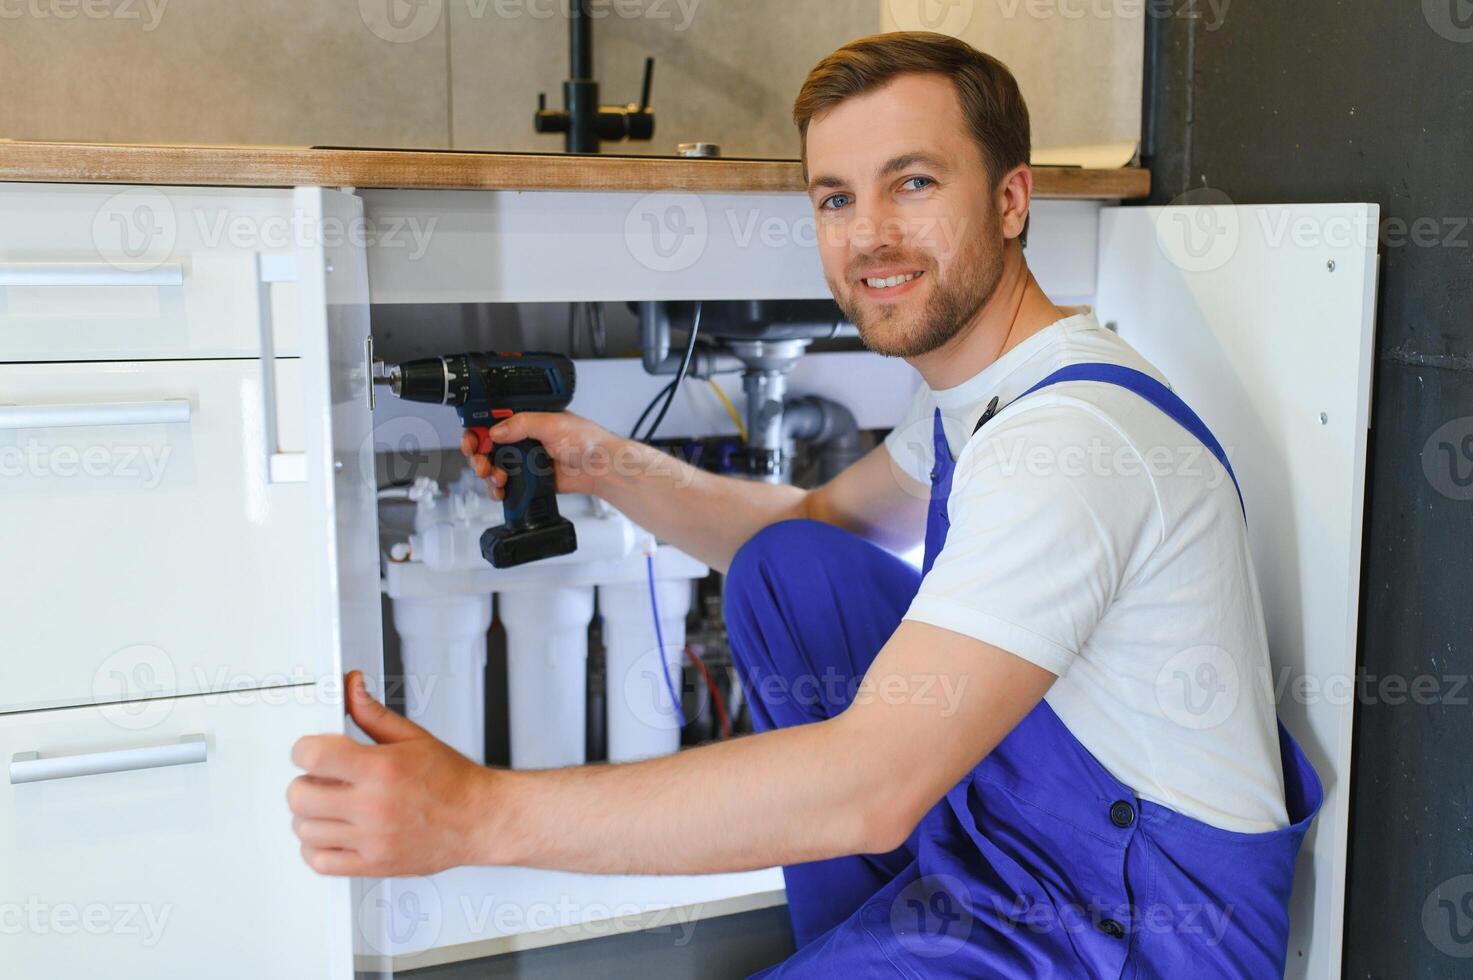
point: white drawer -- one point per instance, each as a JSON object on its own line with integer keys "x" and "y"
{"x": 147, "y": 550}
{"x": 183, "y": 870}
{"x": 91, "y": 272}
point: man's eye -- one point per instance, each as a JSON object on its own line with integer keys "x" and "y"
{"x": 924, "y": 183}
{"x": 834, "y": 201}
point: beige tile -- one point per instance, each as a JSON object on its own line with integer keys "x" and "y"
{"x": 253, "y": 71}
{"x": 726, "y": 71}
{"x": 466, "y": 73}
{"x": 501, "y": 55}
{"x": 1078, "y": 62}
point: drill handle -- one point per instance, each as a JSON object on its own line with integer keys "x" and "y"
{"x": 531, "y": 485}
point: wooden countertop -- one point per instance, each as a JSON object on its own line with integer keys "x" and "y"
{"x": 286, "y": 166}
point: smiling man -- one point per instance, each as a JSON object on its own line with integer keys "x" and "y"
{"x": 1045, "y": 754}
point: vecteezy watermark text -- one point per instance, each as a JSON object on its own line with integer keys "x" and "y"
{"x": 149, "y": 13}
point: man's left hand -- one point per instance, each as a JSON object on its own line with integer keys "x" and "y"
{"x": 410, "y": 805}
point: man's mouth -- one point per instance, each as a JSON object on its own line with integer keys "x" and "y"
{"x": 890, "y": 284}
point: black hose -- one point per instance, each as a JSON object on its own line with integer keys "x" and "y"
{"x": 634, "y": 433}
{"x": 674, "y": 386}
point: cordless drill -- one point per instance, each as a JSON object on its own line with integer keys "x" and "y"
{"x": 486, "y": 388}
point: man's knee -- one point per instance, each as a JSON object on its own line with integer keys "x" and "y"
{"x": 776, "y": 546}
{"x": 800, "y": 559}
{"x": 782, "y": 556}
{"x": 768, "y": 568}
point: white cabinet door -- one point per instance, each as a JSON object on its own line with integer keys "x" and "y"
{"x": 153, "y": 870}
{"x": 91, "y": 272}
{"x": 343, "y": 502}
{"x": 1262, "y": 319}
{"x": 149, "y": 551}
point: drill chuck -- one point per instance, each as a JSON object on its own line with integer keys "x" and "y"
{"x": 424, "y": 380}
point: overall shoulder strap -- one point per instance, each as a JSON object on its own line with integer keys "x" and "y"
{"x": 1148, "y": 388}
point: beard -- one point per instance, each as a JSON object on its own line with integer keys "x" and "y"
{"x": 953, "y": 302}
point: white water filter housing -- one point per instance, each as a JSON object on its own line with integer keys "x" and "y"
{"x": 442, "y": 642}
{"x": 547, "y": 674}
{"x": 440, "y": 589}
{"x": 642, "y": 720}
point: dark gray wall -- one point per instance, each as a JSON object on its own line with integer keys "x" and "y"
{"x": 1372, "y": 100}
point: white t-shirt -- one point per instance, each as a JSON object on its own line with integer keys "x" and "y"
{"x": 1094, "y": 536}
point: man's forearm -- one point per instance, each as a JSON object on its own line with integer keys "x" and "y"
{"x": 782, "y": 797}
{"x": 703, "y": 514}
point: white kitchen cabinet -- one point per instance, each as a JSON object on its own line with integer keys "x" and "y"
{"x": 190, "y": 552}
{"x": 159, "y": 869}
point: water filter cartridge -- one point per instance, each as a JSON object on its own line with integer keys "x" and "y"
{"x": 442, "y": 641}
{"x": 547, "y": 674}
{"x": 642, "y": 719}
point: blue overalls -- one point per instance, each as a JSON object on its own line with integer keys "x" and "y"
{"x": 1039, "y": 863}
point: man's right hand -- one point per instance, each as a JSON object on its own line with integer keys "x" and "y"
{"x": 581, "y": 451}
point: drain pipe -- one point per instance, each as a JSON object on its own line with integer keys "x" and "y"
{"x": 658, "y": 358}
{"x": 765, "y": 383}
{"x": 828, "y": 424}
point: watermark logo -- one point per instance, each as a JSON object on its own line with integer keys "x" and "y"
{"x": 942, "y": 16}
{"x": 401, "y": 21}
{"x": 149, "y": 13}
{"x": 831, "y": 690}
{"x": 142, "y": 465}
{"x": 135, "y": 229}
{"x": 1199, "y": 231}
{"x": 134, "y": 687}
{"x": 667, "y": 232}
{"x": 678, "y": 13}
{"x": 913, "y": 444}
{"x": 1212, "y": 13}
{"x": 929, "y": 918}
{"x": 1451, "y": 19}
{"x": 1199, "y": 687}
{"x": 399, "y": 914}
{"x": 144, "y": 921}
{"x": 407, "y": 446}
{"x": 645, "y": 692}
{"x": 1447, "y": 459}
{"x": 501, "y": 916}
{"x": 1208, "y": 922}
{"x": 1013, "y": 454}
{"x": 1447, "y": 917}
{"x": 219, "y": 227}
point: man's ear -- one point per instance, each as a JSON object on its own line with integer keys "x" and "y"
{"x": 1014, "y": 198}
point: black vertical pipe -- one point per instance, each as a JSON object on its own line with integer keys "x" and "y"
{"x": 580, "y": 42}
{"x": 580, "y": 91}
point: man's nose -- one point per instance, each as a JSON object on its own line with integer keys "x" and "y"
{"x": 876, "y": 228}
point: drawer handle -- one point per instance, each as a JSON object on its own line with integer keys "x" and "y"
{"x": 29, "y": 767}
{"x": 115, "y": 413}
{"x": 89, "y": 274}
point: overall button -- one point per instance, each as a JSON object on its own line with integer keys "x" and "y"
{"x": 1112, "y": 929}
{"x": 1122, "y": 814}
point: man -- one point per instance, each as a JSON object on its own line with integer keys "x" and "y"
{"x": 1034, "y": 777}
